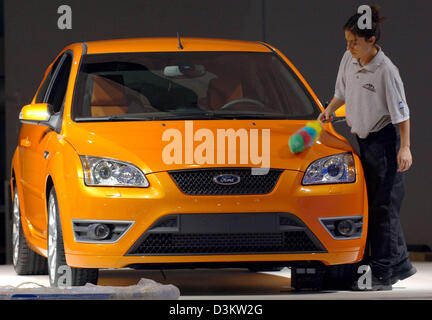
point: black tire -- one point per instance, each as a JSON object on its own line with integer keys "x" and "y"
{"x": 56, "y": 254}
{"x": 24, "y": 259}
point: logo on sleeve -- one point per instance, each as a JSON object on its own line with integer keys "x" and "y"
{"x": 369, "y": 86}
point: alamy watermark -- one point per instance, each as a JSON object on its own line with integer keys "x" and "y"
{"x": 221, "y": 149}
{"x": 64, "y": 281}
{"x": 364, "y": 282}
{"x": 65, "y": 20}
{"x": 365, "y": 20}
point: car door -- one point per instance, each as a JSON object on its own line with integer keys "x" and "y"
{"x": 33, "y": 142}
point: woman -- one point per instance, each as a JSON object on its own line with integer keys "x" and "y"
{"x": 376, "y": 110}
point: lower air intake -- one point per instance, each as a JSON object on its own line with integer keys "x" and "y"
{"x": 296, "y": 241}
{"x": 245, "y": 233}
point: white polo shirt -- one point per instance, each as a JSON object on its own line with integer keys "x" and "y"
{"x": 374, "y": 94}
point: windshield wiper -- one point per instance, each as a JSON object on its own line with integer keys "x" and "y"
{"x": 191, "y": 116}
{"x": 208, "y": 115}
{"x": 114, "y": 118}
{"x": 228, "y": 115}
{"x": 119, "y": 117}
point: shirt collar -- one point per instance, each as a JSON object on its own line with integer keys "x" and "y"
{"x": 373, "y": 64}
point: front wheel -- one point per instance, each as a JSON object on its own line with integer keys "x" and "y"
{"x": 24, "y": 259}
{"x": 58, "y": 270}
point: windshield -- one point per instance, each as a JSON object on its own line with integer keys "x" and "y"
{"x": 189, "y": 85}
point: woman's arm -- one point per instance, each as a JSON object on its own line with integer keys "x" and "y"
{"x": 404, "y": 155}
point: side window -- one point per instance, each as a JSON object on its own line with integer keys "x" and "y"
{"x": 59, "y": 85}
{"x": 40, "y": 98}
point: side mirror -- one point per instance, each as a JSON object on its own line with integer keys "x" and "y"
{"x": 41, "y": 114}
{"x": 36, "y": 113}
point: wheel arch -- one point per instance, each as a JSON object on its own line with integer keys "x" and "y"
{"x": 48, "y": 186}
{"x": 12, "y": 184}
{"x": 14, "y": 174}
{"x": 62, "y": 175}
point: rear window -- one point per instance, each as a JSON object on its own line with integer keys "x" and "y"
{"x": 189, "y": 84}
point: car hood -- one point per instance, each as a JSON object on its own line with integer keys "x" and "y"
{"x": 151, "y": 144}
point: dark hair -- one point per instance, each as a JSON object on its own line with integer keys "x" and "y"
{"x": 352, "y": 25}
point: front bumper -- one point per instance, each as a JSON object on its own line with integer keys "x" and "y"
{"x": 148, "y": 206}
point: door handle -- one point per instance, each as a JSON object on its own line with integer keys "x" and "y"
{"x": 25, "y": 142}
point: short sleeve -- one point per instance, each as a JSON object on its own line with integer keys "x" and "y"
{"x": 341, "y": 79}
{"x": 395, "y": 96}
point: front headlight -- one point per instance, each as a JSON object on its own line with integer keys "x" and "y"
{"x": 338, "y": 168}
{"x": 109, "y": 172}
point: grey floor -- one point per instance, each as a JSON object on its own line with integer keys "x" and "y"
{"x": 225, "y": 284}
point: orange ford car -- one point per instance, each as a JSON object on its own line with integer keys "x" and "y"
{"x": 173, "y": 153}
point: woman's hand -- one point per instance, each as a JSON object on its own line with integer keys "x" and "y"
{"x": 404, "y": 156}
{"x": 404, "y": 159}
{"x": 325, "y": 116}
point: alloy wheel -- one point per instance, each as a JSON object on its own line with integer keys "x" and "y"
{"x": 52, "y": 238}
{"x": 16, "y": 221}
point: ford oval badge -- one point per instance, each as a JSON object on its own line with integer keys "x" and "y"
{"x": 226, "y": 179}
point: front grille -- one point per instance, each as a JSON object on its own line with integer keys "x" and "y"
{"x": 201, "y": 181}
{"x": 228, "y": 243}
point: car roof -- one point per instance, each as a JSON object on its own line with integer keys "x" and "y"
{"x": 172, "y": 44}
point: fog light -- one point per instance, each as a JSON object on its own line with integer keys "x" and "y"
{"x": 98, "y": 231}
{"x": 343, "y": 228}
{"x": 346, "y": 227}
